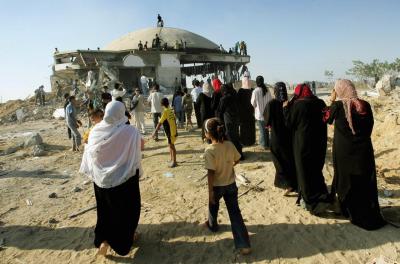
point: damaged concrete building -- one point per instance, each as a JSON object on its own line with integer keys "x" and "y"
{"x": 168, "y": 60}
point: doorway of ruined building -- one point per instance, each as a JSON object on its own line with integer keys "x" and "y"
{"x": 130, "y": 77}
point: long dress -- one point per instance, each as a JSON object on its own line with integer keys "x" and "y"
{"x": 305, "y": 119}
{"x": 281, "y": 146}
{"x": 118, "y": 213}
{"x": 228, "y": 112}
{"x": 215, "y": 99}
{"x": 247, "y": 122}
{"x": 205, "y": 112}
{"x": 354, "y": 167}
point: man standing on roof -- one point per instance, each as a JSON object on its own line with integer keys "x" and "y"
{"x": 160, "y": 21}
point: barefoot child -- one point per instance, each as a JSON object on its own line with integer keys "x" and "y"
{"x": 220, "y": 158}
{"x": 95, "y": 117}
{"x": 168, "y": 121}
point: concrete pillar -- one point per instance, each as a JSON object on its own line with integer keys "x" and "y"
{"x": 228, "y": 73}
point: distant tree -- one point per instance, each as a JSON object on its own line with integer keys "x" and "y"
{"x": 374, "y": 70}
{"x": 396, "y": 65}
{"x": 329, "y": 75}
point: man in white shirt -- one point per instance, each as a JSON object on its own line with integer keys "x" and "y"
{"x": 155, "y": 102}
{"x": 259, "y": 99}
{"x": 195, "y": 93}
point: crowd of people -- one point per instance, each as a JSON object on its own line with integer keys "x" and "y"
{"x": 294, "y": 130}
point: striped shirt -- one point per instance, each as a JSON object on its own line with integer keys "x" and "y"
{"x": 259, "y": 102}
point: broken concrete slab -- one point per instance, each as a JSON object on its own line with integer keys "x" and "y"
{"x": 32, "y": 140}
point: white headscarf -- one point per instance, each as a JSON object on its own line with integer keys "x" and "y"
{"x": 117, "y": 93}
{"x": 206, "y": 89}
{"x": 113, "y": 153}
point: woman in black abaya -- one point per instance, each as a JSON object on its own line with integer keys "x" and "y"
{"x": 304, "y": 117}
{"x": 354, "y": 179}
{"x": 229, "y": 113}
{"x": 281, "y": 141}
{"x": 247, "y": 122}
{"x": 112, "y": 159}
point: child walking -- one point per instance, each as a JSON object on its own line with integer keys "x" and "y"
{"x": 220, "y": 158}
{"x": 168, "y": 122}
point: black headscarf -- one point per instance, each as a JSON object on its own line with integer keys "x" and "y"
{"x": 260, "y": 83}
{"x": 280, "y": 92}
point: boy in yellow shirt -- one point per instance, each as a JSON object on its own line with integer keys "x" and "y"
{"x": 168, "y": 121}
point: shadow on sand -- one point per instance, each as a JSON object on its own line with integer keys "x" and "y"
{"x": 165, "y": 242}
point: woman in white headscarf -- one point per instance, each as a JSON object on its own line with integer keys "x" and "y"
{"x": 112, "y": 159}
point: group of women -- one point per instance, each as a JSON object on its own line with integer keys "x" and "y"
{"x": 224, "y": 103}
{"x": 112, "y": 157}
{"x": 298, "y": 147}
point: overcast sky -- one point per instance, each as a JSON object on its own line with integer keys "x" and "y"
{"x": 288, "y": 40}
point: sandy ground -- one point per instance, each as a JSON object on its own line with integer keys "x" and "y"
{"x": 280, "y": 232}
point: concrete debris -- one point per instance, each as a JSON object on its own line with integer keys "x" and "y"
{"x": 59, "y": 113}
{"x": 53, "y": 221}
{"x": 77, "y": 189}
{"x": 20, "y": 115}
{"x": 53, "y": 195}
{"x": 9, "y": 151}
{"x": 382, "y": 260}
{"x": 32, "y": 140}
{"x": 28, "y": 202}
{"x": 388, "y": 83}
{"x": 38, "y": 151}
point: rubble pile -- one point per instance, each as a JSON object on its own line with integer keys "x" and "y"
{"x": 30, "y": 143}
{"x": 386, "y": 134}
{"x": 389, "y": 84}
{"x": 26, "y": 110}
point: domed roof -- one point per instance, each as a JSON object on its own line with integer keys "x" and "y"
{"x": 170, "y": 35}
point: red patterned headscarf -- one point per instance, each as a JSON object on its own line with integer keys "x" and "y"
{"x": 302, "y": 91}
{"x": 346, "y": 92}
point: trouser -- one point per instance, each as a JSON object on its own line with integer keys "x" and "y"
{"x": 69, "y": 132}
{"x": 156, "y": 118}
{"x": 139, "y": 121}
{"x": 42, "y": 100}
{"x": 180, "y": 116}
{"x": 239, "y": 230}
{"x": 76, "y": 137}
{"x": 197, "y": 114}
{"x": 264, "y": 134}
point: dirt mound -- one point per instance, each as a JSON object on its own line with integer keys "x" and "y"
{"x": 28, "y": 110}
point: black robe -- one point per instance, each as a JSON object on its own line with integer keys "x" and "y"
{"x": 118, "y": 213}
{"x": 309, "y": 134}
{"x": 203, "y": 102}
{"x": 228, "y": 112}
{"x": 215, "y": 99}
{"x": 281, "y": 146}
{"x": 247, "y": 122}
{"x": 354, "y": 167}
